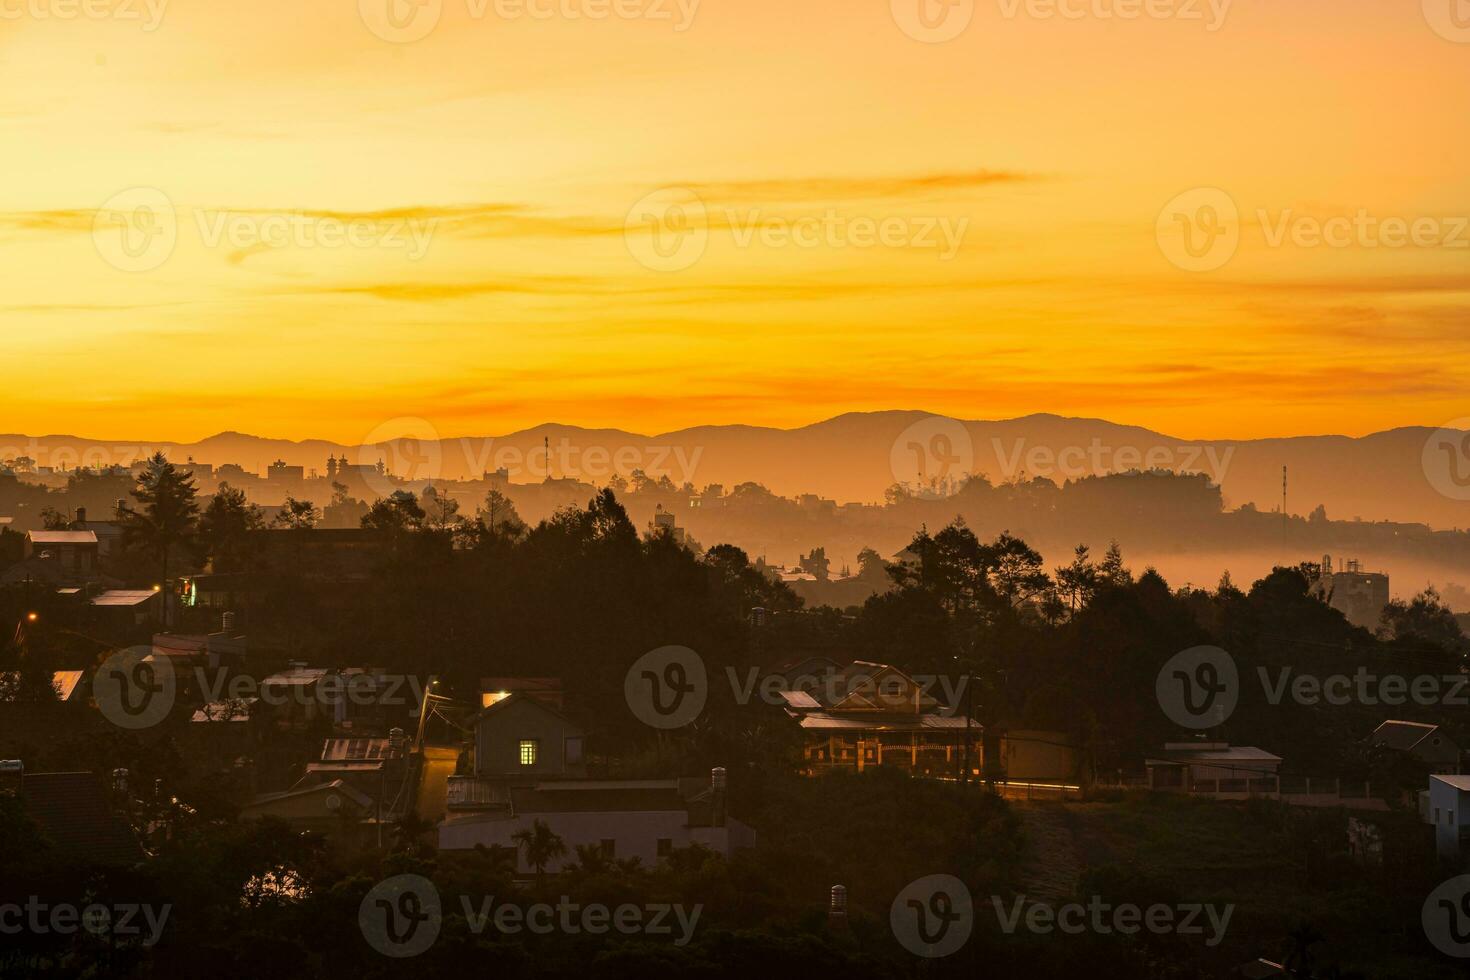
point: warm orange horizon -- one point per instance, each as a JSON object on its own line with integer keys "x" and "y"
{"x": 1224, "y": 221}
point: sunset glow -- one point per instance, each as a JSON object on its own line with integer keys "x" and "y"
{"x": 969, "y": 227}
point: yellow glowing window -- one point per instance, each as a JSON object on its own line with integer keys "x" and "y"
{"x": 528, "y": 751}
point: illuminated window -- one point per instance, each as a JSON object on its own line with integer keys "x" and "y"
{"x": 528, "y": 751}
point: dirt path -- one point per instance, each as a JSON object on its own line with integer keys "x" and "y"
{"x": 1053, "y": 864}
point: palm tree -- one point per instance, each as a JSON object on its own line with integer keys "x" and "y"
{"x": 542, "y": 846}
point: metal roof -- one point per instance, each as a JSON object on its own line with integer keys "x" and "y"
{"x": 1401, "y": 735}
{"x": 887, "y": 723}
{"x": 1461, "y": 783}
{"x": 123, "y": 597}
{"x": 72, "y": 811}
{"x": 62, "y": 537}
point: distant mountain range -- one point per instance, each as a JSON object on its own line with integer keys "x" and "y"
{"x": 1414, "y": 474}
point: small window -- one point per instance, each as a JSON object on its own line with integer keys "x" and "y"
{"x": 665, "y": 847}
{"x": 609, "y": 847}
{"x": 528, "y": 751}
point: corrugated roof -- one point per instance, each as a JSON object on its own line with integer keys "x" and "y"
{"x": 73, "y": 812}
{"x": 123, "y": 597}
{"x": 887, "y": 723}
{"x": 62, "y": 537}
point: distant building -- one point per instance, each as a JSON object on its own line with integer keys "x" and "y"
{"x": 644, "y": 819}
{"x": 109, "y": 533}
{"x": 1428, "y": 743}
{"x": 1027, "y": 755}
{"x": 1449, "y": 811}
{"x": 74, "y": 552}
{"x": 329, "y": 808}
{"x": 280, "y": 472}
{"x": 74, "y": 812}
{"x": 1216, "y": 766}
{"x": 871, "y": 714}
{"x": 1358, "y": 595}
{"x": 520, "y": 737}
{"x": 529, "y": 766}
{"x": 664, "y": 523}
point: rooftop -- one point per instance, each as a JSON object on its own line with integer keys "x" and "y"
{"x": 72, "y": 811}
{"x": 62, "y": 537}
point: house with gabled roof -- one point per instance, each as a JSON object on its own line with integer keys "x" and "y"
{"x": 870, "y": 714}
{"x": 1428, "y": 743}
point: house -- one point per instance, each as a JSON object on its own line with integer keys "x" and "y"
{"x": 58, "y": 558}
{"x": 1214, "y": 766}
{"x": 547, "y": 690}
{"x": 324, "y": 808}
{"x": 1028, "y": 755}
{"x": 374, "y": 767}
{"x": 520, "y": 737}
{"x": 109, "y": 533}
{"x": 1449, "y": 811}
{"x": 1427, "y": 743}
{"x": 357, "y": 783}
{"x": 371, "y": 700}
{"x": 1358, "y": 595}
{"x": 642, "y": 819}
{"x": 74, "y": 814}
{"x": 295, "y": 695}
{"x": 876, "y": 715}
{"x": 124, "y": 607}
{"x": 75, "y": 551}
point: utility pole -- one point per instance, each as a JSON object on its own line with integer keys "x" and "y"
{"x": 1283, "y": 514}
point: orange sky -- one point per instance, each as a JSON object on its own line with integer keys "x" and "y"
{"x": 847, "y": 217}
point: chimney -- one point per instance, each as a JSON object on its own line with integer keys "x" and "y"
{"x": 717, "y": 796}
